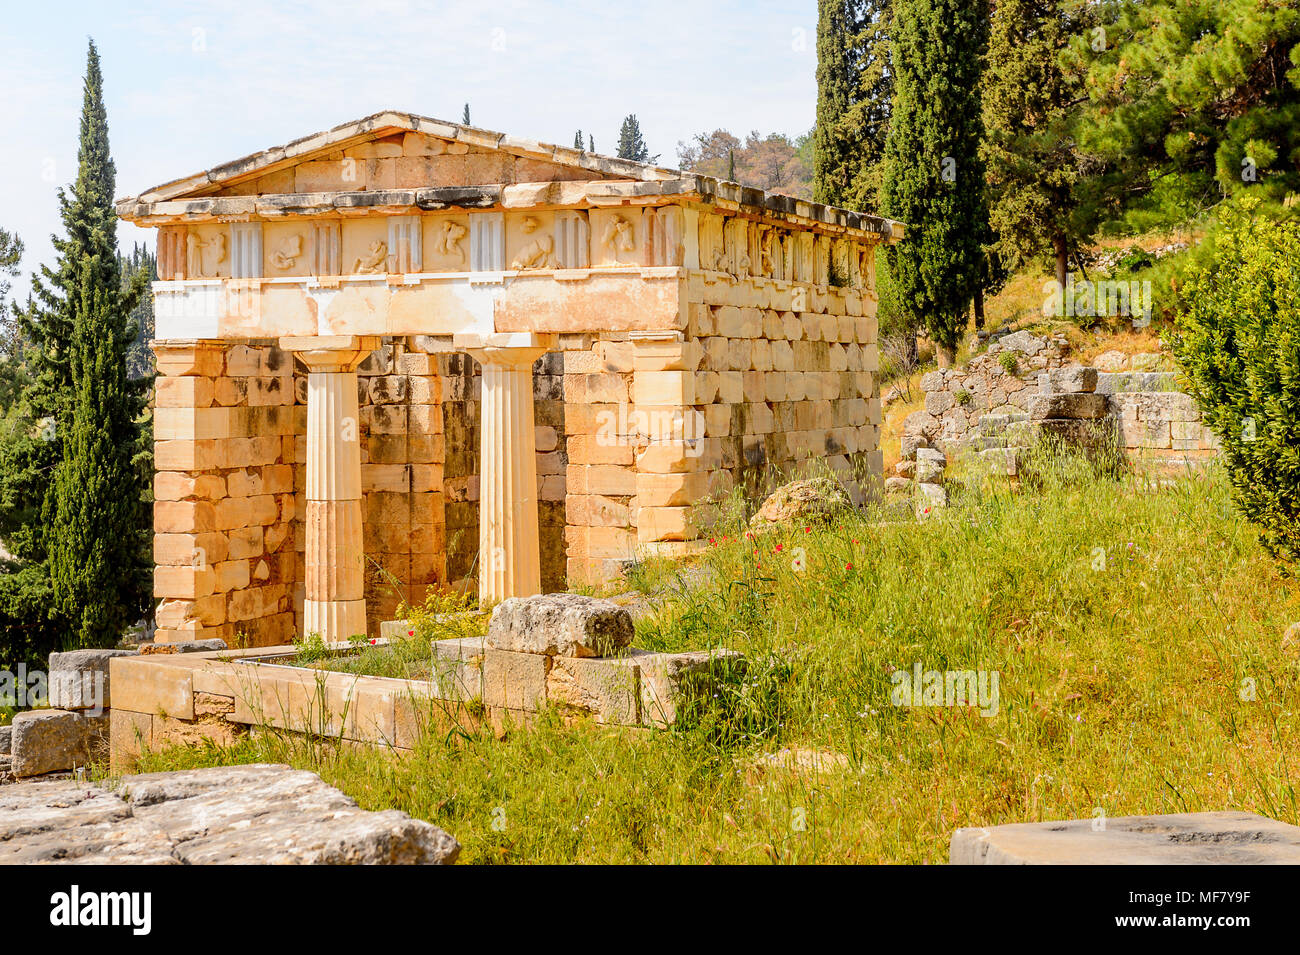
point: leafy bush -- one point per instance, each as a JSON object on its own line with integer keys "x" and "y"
{"x": 1238, "y": 340}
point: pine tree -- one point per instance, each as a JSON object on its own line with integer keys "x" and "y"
{"x": 74, "y": 497}
{"x": 631, "y": 145}
{"x": 933, "y": 176}
{"x": 1203, "y": 91}
{"x": 1031, "y": 106}
{"x": 854, "y": 93}
{"x": 464, "y": 116}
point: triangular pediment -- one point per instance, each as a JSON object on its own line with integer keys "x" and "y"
{"x": 392, "y": 150}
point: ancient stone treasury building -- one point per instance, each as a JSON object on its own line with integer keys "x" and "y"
{"x": 405, "y": 354}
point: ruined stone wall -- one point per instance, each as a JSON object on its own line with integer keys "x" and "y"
{"x": 972, "y": 408}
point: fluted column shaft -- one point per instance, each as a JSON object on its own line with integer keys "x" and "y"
{"x": 334, "y": 606}
{"x": 509, "y": 560}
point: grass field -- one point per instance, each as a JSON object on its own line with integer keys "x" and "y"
{"x": 1135, "y": 630}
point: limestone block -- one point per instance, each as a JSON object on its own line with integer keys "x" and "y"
{"x": 1075, "y": 378}
{"x": 898, "y": 484}
{"x": 458, "y": 668}
{"x": 559, "y": 624}
{"x": 6, "y": 740}
{"x": 665, "y": 524}
{"x": 1200, "y": 838}
{"x": 609, "y": 688}
{"x": 514, "y": 680}
{"x": 937, "y": 402}
{"x": 79, "y": 678}
{"x": 49, "y": 741}
{"x": 928, "y": 498}
{"x": 1002, "y": 461}
{"x": 928, "y": 472}
{"x": 927, "y": 453}
{"x": 670, "y": 680}
{"x": 1081, "y": 406}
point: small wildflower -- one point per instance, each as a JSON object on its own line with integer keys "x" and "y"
{"x": 848, "y": 566}
{"x": 373, "y": 641}
{"x": 807, "y": 530}
{"x": 779, "y": 546}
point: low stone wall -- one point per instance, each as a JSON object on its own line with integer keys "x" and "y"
{"x": 558, "y": 650}
{"x": 972, "y": 408}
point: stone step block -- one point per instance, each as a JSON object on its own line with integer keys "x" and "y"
{"x": 1079, "y": 406}
{"x": 79, "y": 678}
{"x": 561, "y": 624}
{"x": 1199, "y": 838}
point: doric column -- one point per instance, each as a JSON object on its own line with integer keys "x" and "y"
{"x": 335, "y": 605}
{"x": 509, "y": 564}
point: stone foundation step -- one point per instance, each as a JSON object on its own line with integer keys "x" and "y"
{"x": 1198, "y": 838}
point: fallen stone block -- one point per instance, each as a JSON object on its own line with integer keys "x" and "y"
{"x": 49, "y": 741}
{"x": 1198, "y": 838}
{"x": 6, "y": 740}
{"x": 929, "y": 472}
{"x": 898, "y": 484}
{"x": 1075, "y": 378}
{"x": 1083, "y": 406}
{"x": 563, "y": 624}
{"x": 256, "y": 814}
{"x": 79, "y": 678}
{"x": 932, "y": 454}
{"x": 607, "y": 687}
{"x": 928, "y": 498}
{"x": 458, "y": 668}
{"x": 669, "y": 681}
{"x": 909, "y": 444}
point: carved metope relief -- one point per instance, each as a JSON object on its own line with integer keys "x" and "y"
{"x": 487, "y": 241}
{"x": 326, "y": 248}
{"x": 404, "y": 244}
{"x": 538, "y": 252}
{"x": 245, "y": 250}
{"x": 375, "y": 259}
{"x": 619, "y": 239}
{"x": 572, "y": 240}
{"x": 448, "y": 236}
{"x": 286, "y": 252}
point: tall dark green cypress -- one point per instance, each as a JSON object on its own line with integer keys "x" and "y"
{"x": 854, "y": 97}
{"x": 95, "y": 513}
{"x": 835, "y": 142}
{"x": 933, "y": 176}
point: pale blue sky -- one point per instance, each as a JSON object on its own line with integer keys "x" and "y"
{"x": 192, "y": 84}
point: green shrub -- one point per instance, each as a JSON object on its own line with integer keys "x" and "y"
{"x": 1010, "y": 364}
{"x": 1238, "y": 340}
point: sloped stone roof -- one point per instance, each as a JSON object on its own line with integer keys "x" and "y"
{"x": 640, "y": 179}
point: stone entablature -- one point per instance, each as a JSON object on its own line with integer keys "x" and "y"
{"x": 746, "y": 321}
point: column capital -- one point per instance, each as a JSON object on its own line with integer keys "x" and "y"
{"x": 332, "y": 353}
{"x": 511, "y": 349}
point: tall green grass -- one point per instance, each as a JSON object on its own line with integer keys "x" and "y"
{"x": 1135, "y": 628}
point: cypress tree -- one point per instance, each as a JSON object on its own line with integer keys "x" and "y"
{"x": 578, "y": 143}
{"x": 854, "y": 93}
{"x": 933, "y": 176}
{"x": 631, "y": 144}
{"x": 591, "y": 143}
{"x": 464, "y": 116}
{"x": 95, "y": 513}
